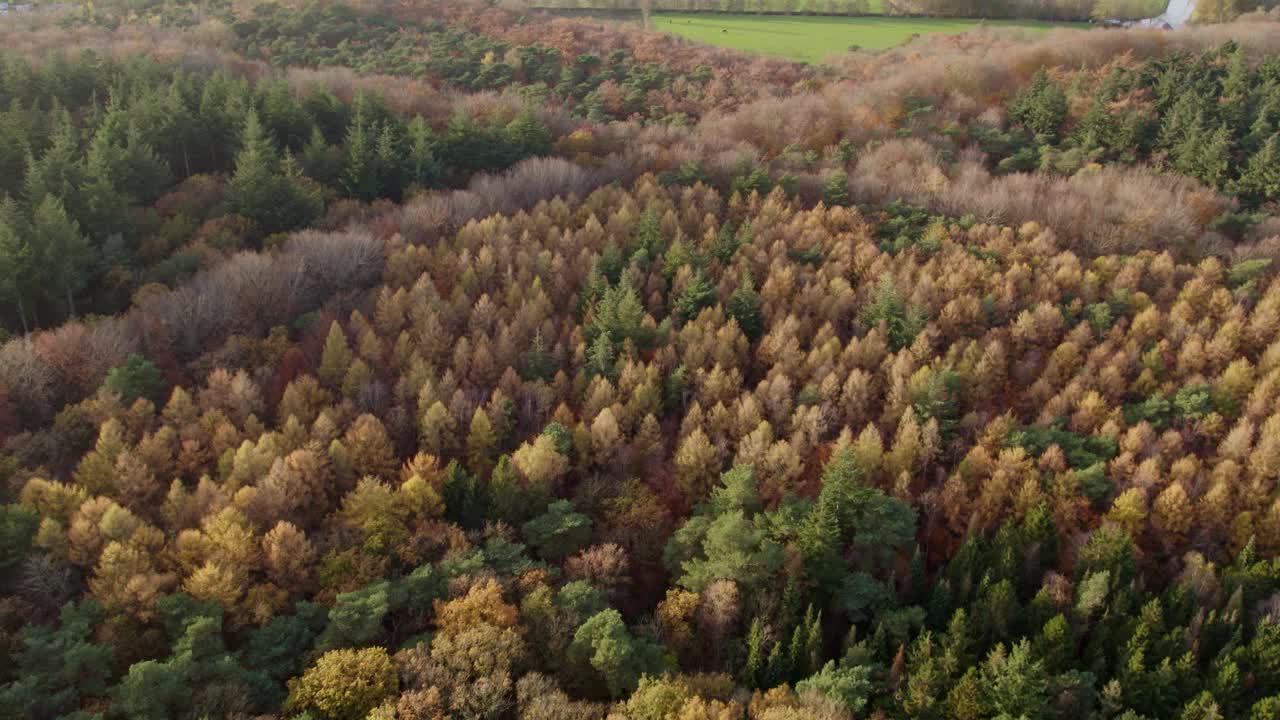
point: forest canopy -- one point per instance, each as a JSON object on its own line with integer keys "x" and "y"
{"x": 443, "y": 360}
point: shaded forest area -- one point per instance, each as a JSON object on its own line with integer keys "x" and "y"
{"x": 500, "y": 368}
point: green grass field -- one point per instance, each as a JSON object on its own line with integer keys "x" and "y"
{"x": 810, "y": 38}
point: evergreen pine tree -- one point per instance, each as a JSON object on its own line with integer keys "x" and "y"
{"x": 389, "y": 162}
{"x": 464, "y": 497}
{"x": 320, "y": 161}
{"x": 887, "y": 306}
{"x": 283, "y": 116}
{"x": 538, "y": 363}
{"x": 1266, "y": 119}
{"x": 144, "y": 175}
{"x": 600, "y": 357}
{"x": 776, "y": 670}
{"x": 698, "y": 294}
{"x": 744, "y": 306}
{"x": 813, "y": 641}
{"x": 1214, "y": 157}
{"x": 797, "y": 658}
{"x": 527, "y": 136}
{"x": 753, "y": 670}
{"x": 62, "y": 249}
{"x": 362, "y": 179}
{"x": 182, "y": 132}
{"x": 136, "y": 378}
{"x": 104, "y": 206}
{"x": 818, "y": 542}
{"x": 835, "y": 191}
{"x": 1260, "y": 181}
{"x": 15, "y": 148}
{"x": 1097, "y": 130}
{"x": 422, "y": 168}
{"x": 509, "y": 500}
{"x": 1233, "y": 105}
{"x": 272, "y": 194}
{"x": 251, "y": 190}
{"x": 58, "y": 171}
{"x": 17, "y": 259}
{"x": 648, "y": 235}
{"x": 726, "y": 243}
{"x": 1041, "y": 106}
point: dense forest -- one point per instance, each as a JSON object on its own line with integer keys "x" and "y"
{"x": 139, "y": 172}
{"x": 440, "y": 360}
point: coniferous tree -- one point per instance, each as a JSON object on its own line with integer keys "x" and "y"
{"x": 1214, "y": 156}
{"x": 422, "y": 168}
{"x": 754, "y": 668}
{"x": 362, "y": 178}
{"x": 180, "y": 141}
{"x": 727, "y": 242}
{"x": 600, "y": 358}
{"x": 15, "y": 149}
{"x": 55, "y": 668}
{"x": 648, "y": 234}
{"x": 388, "y": 155}
{"x": 144, "y": 175}
{"x": 63, "y": 249}
{"x": 320, "y": 161}
{"x": 17, "y": 259}
{"x": 265, "y": 190}
{"x": 835, "y": 189}
{"x": 1260, "y": 181}
{"x": 538, "y": 363}
{"x": 58, "y": 170}
{"x": 104, "y": 205}
{"x": 698, "y": 294}
{"x": 336, "y": 357}
{"x": 903, "y": 323}
{"x": 528, "y": 136}
{"x": 137, "y": 378}
{"x": 1042, "y": 106}
{"x": 744, "y": 306}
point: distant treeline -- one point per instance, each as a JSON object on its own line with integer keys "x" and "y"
{"x": 1061, "y": 10}
{"x": 758, "y": 7}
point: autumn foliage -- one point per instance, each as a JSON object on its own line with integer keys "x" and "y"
{"x": 851, "y": 415}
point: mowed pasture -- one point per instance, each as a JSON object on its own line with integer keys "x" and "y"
{"x": 813, "y": 38}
